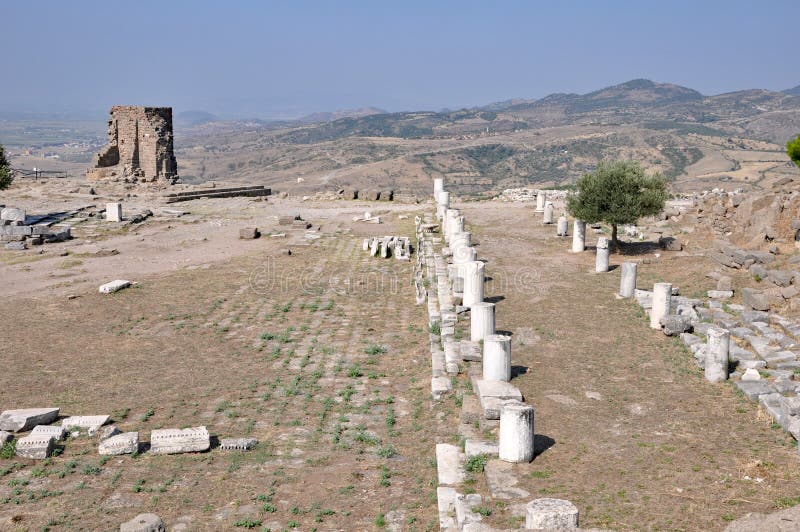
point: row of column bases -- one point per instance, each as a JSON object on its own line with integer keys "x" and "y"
{"x": 516, "y": 431}
{"x": 717, "y": 355}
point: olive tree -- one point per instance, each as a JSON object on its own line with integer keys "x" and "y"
{"x": 617, "y": 192}
{"x": 793, "y": 150}
{"x": 5, "y": 170}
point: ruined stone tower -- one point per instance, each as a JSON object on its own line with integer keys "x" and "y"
{"x": 139, "y": 146}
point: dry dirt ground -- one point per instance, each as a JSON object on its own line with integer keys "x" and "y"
{"x": 640, "y": 440}
{"x": 323, "y": 356}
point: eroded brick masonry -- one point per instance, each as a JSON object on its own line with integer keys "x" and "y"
{"x": 139, "y": 146}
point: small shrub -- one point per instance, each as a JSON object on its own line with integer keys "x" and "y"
{"x": 8, "y": 450}
{"x": 375, "y": 349}
{"x": 476, "y": 464}
{"x": 247, "y": 523}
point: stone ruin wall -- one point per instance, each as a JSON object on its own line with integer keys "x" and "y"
{"x": 140, "y": 146}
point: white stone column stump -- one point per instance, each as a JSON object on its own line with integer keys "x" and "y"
{"x": 627, "y": 279}
{"x": 601, "y": 260}
{"x": 473, "y": 283}
{"x": 516, "y": 432}
{"x": 562, "y": 227}
{"x": 548, "y": 213}
{"x": 481, "y": 321}
{"x": 541, "y": 199}
{"x": 497, "y": 357}
{"x": 444, "y": 199}
{"x": 113, "y": 212}
{"x": 438, "y": 187}
{"x": 551, "y": 514}
{"x": 578, "y": 236}
{"x": 662, "y": 295}
{"x": 717, "y": 354}
{"x": 464, "y": 236}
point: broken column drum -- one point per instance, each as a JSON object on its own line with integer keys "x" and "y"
{"x": 497, "y": 358}
{"x": 438, "y": 187}
{"x": 627, "y": 280}
{"x": 481, "y": 321}
{"x": 601, "y": 260}
{"x": 516, "y": 432}
{"x": 578, "y": 236}
{"x": 541, "y": 199}
{"x": 562, "y": 227}
{"x": 442, "y": 204}
{"x": 662, "y": 295}
{"x": 548, "y": 213}
{"x": 473, "y": 282}
{"x": 717, "y": 354}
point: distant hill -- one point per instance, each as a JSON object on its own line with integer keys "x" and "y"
{"x": 194, "y": 118}
{"x": 794, "y": 91}
{"x": 336, "y": 115}
{"x": 697, "y": 140}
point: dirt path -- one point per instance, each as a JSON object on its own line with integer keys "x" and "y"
{"x": 641, "y": 440}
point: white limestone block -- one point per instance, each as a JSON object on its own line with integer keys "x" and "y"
{"x": 35, "y": 447}
{"x": 12, "y": 214}
{"x": 449, "y": 464}
{"x": 57, "y": 432}
{"x": 114, "y": 212}
{"x": 90, "y": 424}
{"x": 143, "y": 523}
{"x": 125, "y": 443}
{"x": 627, "y": 280}
{"x": 551, "y": 514}
{"x": 26, "y": 418}
{"x": 717, "y": 354}
{"x": 476, "y": 447}
{"x": 440, "y": 386}
{"x": 446, "y": 497}
{"x": 751, "y": 374}
{"x": 237, "y": 444}
{"x": 662, "y": 296}
{"x": 174, "y": 441}
{"x": 114, "y": 286}
{"x": 602, "y": 255}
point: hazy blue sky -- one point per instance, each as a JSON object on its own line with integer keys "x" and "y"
{"x": 288, "y": 58}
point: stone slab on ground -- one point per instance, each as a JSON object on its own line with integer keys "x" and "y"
{"x": 753, "y": 389}
{"x": 143, "y": 523}
{"x": 125, "y": 443}
{"x": 446, "y": 499}
{"x": 464, "y": 505}
{"x": 57, "y": 432}
{"x": 237, "y": 444}
{"x": 502, "y": 481}
{"x": 90, "y": 424}
{"x": 471, "y": 351}
{"x": 497, "y": 389}
{"x": 783, "y": 521}
{"x": 114, "y": 286}
{"x": 175, "y": 441}
{"x": 5, "y": 437}
{"x": 551, "y": 514}
{"x": 476, "y": 447}
{"x": 449, "y": 464}
{"x": 35, "y": 447}
{"x": 440, "y": 386}
{"x": 26, "y": 418}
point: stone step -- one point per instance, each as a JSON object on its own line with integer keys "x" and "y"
{"x": 449, "y": 464}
